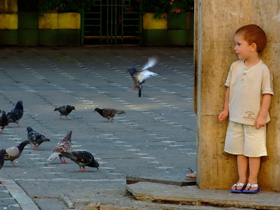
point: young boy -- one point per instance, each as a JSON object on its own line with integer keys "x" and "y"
{"x": 247, "y": 100}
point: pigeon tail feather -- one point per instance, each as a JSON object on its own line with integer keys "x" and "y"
{"x": 69, "y": 155}
{"x": 121, "y": 112}
{"x": 53, "y": 156}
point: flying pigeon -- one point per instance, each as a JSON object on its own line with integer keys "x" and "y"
{"x": 82, "y": 158}
{"x": 2, "y": 160}
{"x": 15, "y": 114}
{"x": 139, "y": 77}
{"x": 13, "y": 153}
{"x": 109, "y": 113}
{"x": 63, "y": 146}
{"x": 65, "y": 110}
{"x": 35, "y": 137}
{"x": 3, "y": 121}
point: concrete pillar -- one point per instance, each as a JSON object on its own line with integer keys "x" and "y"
{"x": 215, "y": 25}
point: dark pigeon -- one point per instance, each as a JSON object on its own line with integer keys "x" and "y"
{"x": 3, "y": 121}
{"x": 65, "y": 110}
{"x": 63, "y": 146}
{"x": 139, "y": 77}
{"x": 82, "y": 158}
{"x": 109, "y": 113}
{"x": 35, "y": 137}
{"x": 2, "y": 160}
{"x": 16, "y": 114}
{"x": 13, "y": 153}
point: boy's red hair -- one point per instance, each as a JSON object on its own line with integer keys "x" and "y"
{"x": 253, "y": 34}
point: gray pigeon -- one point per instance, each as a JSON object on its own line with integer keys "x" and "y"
{"x": 16, "y": 114}
{"x": 35, "y": 137}
{"x": 139, "y": 77}
{"x": 13, "y": 153}
{"x": 109, "y": 113}
{"x": 65, "y": 110}
{"x": 3, "y": 121}
{"x": 82, "y": 158}
{"x": 2, "y": 160}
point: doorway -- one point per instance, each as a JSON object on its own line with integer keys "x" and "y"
{"x": 112, "y": 22}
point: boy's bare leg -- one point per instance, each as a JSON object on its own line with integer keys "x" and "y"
{"x": 254, "y": 167}
{"x": 242, "y": 165}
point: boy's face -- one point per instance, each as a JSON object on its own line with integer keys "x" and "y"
{"x": 242, "y": 49}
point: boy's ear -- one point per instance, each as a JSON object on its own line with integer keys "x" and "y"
{"x": 254, "y": 47}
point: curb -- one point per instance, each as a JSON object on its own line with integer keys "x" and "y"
{"x": 24, "y": 201}
{"x": 192, "y": 196}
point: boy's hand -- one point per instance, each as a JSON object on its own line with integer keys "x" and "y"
{"x": 223, "y": 115}
{"x": 260, "y": 122}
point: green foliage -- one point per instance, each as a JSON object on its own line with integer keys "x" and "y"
{"x": 155, "y": 6}
{"x": 28, "y": 5}
{"x": 64, "y": 5}
{"x": 161, "y": 6}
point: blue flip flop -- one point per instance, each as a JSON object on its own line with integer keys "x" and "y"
{"x": 249, "y": 186}
{"x": 236, "y": 186}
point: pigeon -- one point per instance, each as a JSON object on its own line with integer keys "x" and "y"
{"x": 65, "y": 110}
{"x": 15, "y": 114}
{"x": 109, "y": 113}
{"x": 13, "y": 153}
{"x": 63, "y": 146}
{"x": 2, "y": 160}
{"x": 3, "y": 121}
{"x": 35, "y": 137}
{"x": 139, "y": 77}
{"x": 82, "y": 158}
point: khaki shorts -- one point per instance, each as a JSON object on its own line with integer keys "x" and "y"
{"x": 245, "y": 140}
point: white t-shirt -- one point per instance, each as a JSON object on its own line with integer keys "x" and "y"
{"x": 247, "y": 85}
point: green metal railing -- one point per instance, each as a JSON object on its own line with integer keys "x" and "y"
{"x": 112, "y": 22}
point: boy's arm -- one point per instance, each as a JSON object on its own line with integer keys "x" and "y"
{"x": 261, "y": 119}
{"x": 223, "y": 115}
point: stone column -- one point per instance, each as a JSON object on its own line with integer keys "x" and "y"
{"x": 215, "y": 25}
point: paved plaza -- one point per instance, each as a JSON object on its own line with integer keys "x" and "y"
{"x": 154, "y": 139}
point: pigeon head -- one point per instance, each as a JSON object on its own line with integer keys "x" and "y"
{"x": 70, "y": 108}
{"x": 23, "y": 144}
{"x": 96, "y": 109}
{"x": 29, "y": 129}
{"x": 68, "y": 136}
{"x": 94, "y": 164}
{"x": 19, "y": 105}
{"x": 4, "y": 115}
{"x": 132, "y": 71}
